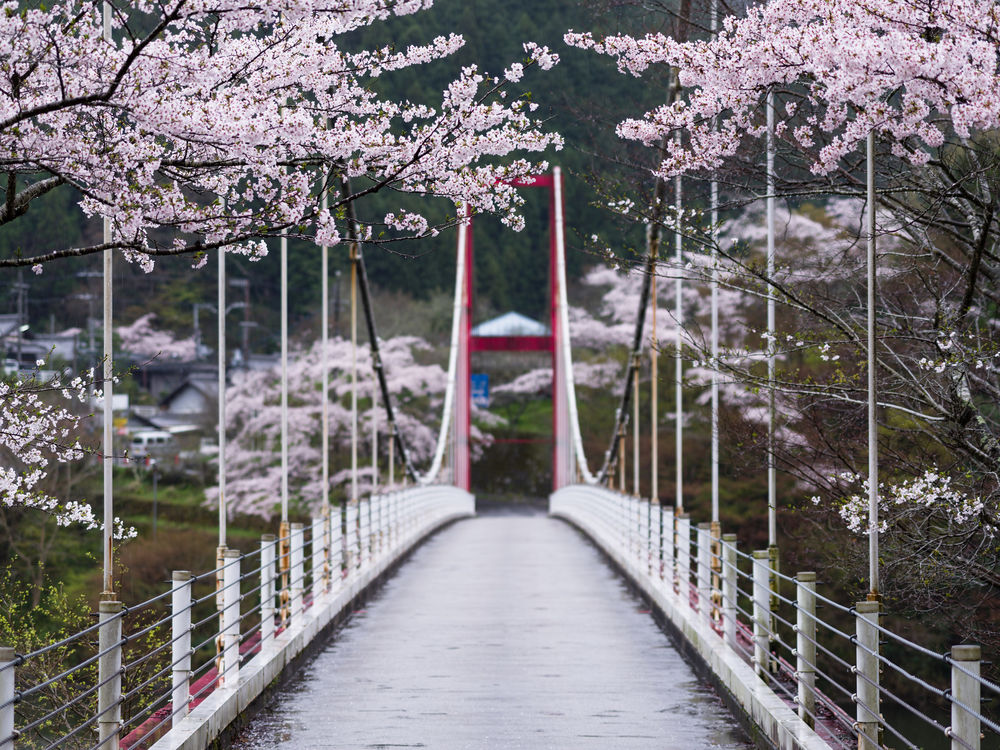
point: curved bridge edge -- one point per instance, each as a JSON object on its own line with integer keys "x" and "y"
{"x": 765, "y": 717}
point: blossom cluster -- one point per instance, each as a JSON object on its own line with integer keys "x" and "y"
{"x": 933, "y": 492}
{"x": 211, "y": 124}
{"x": 907, "y": 70}
{"x": 36, "y": 428}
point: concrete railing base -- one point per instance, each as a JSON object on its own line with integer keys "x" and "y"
{"x": 227, "y": 709}
{"x": 765, "y": 717}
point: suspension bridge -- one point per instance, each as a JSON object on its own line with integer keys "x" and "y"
{"x": 494, "y": 630}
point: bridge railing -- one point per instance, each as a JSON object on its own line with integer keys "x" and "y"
{"x": 142, "y": 669}
{"x": 856, "y": 682}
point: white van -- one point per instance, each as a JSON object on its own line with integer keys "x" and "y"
{"x": 153, "y": 443}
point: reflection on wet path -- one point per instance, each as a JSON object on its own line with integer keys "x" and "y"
{"x": 505, "y": 631}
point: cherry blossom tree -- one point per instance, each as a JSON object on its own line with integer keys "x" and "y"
{"x": 923, "y": 78}
{"x": 208, "y": 124}
{"x": 141, "y": 339}
{"x": 253, "y": 413}
{"x": 39, "y": 424}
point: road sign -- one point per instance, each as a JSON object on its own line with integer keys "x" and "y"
{"x": 480, "y": 390}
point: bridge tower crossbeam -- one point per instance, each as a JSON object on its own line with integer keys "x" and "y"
{"x": 562, "y": 449}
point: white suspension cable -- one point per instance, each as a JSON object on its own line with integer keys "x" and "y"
{"x": 456, "y": 325}
{"x": 563, "y": 311}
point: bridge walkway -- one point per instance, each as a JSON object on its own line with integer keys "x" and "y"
{"x": 505, "y": 631}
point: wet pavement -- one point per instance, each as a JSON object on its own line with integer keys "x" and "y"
{"x": 503, "y": 631}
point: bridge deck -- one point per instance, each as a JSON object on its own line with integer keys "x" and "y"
{"x": 507, "y": 631}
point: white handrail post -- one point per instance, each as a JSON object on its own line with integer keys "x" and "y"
{"x": 317, "y": 557}
{"x": 180, "y": 652}
{"x": 298, "y": 571}
{"x": 729, "y": 588}
{"x": 805, "y": 645}
{"x": 336, "y": 552}
{"x": 231, "y": 620}
{"x": 965, "y": 690}
{"x": 327, "y": 548}
{"x": 351, "y": 535}
{"x": 761, "y": 610}
{"x": 656, "y": 558}
{"x": 705, "y": 572}
{"x": 669, "y": 546}
{"x": 866, "y": 665}
{"x": 684, "y": 557}
{"x": 266, "y": 590}
{"x": 109, "y": 673}
{"x": 7, "y": 657}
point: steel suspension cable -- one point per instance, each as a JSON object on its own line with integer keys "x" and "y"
{"x": 366, "y": 303}
{"x": 653, "y": 251}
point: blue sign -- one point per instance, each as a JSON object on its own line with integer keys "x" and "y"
{"x": 480, "y": 390}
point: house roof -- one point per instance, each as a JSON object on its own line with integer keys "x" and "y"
{"x": 511, "y": 324}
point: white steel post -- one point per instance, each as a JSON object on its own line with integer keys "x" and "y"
{"x": 180, "y": 651}
{"x": 107, "y": 388}
{"x": 729, "y": 588}
{"x": 873, "y": 574}
{"x": 7, "y": 657}
{"x": 678, "y": 361}
{"x": 965, "y": 690}
{"x": 761, "y": 610}
{"x": 866, "y": 664}
{"x": 684, "y": 557}
{"x": 325, "y": 362}
{"x": 805, "y": 645}
{"x": 109, "y": 673}
{"x": 705, "y": 571}
{"x": 298, "y": 572}
{"x": 772, "y": 492}
{"x": 284, "y": 379}
{"x": 714, "y": 219}
{"x": 221, "y": 301}
{"x": 231, "y": 620}
{"x": 266, "y": 590}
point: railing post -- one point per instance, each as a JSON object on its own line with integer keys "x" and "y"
{"x": 684, "y": 557}
{"x": 266, "y": 590}
{"x": 669, "y": 542}
{"x": 705, "y": 572}
{"x": 347, "y": 546}
{"x": 317, "y": 557}
{"x": 645, "y": 509}
{"x": 656, "y": 538}
{"x": 180, "y": 634}
{"x": 336, "y": 551}
{"x": 761, "y": 610}
{"x": 730, "y": 573}
{"x": 109, "y": 673}
{"x": 327, "y": 549}
{"x": 866, "y": 666}
{"x": 298, "y": 571}
{"x": 805, "y": 645}
{"x": 7, "y": 657}
{"x": 965, "y": 690}
{"x": 231, "y": 620}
